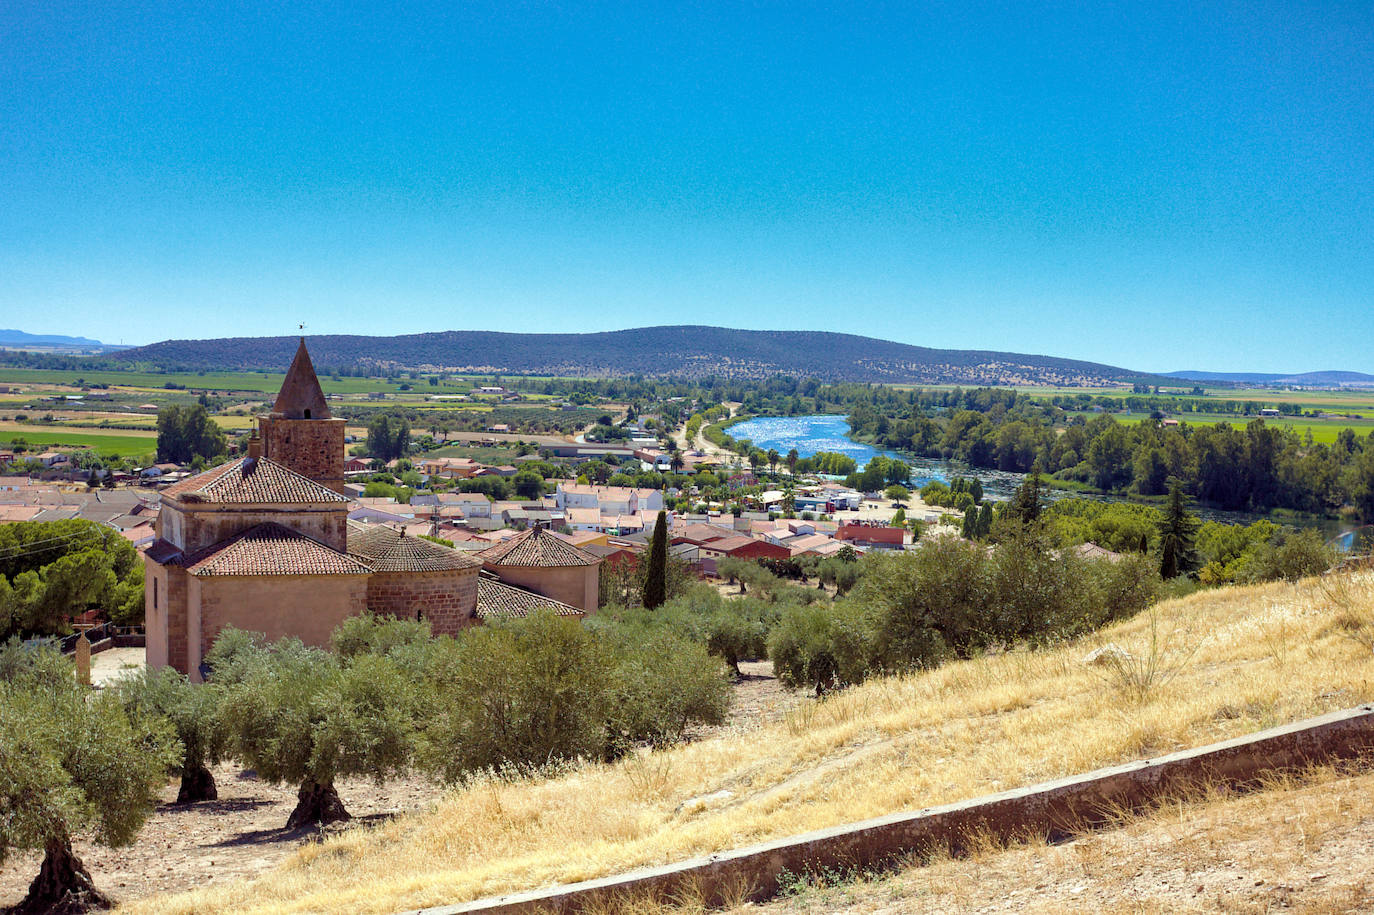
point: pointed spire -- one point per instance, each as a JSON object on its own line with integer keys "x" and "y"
{"x": 301, "y": 396}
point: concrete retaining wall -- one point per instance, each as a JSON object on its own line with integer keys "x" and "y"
{"x": 1052, "y": 809}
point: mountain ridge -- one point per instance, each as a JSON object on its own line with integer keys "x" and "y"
{"x": 19, "y": 336}
{"x": 1328, "y": 377}
{"x": 677, "y": 351}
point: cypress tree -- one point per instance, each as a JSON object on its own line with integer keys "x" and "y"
{"x": 656, "y": 575}
{"x": 1177, "y": 536}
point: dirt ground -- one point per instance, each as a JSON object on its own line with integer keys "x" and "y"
{"x": 242, "y": 833}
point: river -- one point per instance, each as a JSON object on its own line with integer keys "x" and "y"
{"x": 830, "y": 432}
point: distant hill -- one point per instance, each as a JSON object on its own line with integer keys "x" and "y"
{"x": 1315, "y": 379}
{"x": 694, "y": 352}
{"x": 19, "y": 338}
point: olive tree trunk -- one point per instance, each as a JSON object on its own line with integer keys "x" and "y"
{"x": 197, "y": 784}
{"x": 317, "y": 805}
{"x": 63, "y": 885}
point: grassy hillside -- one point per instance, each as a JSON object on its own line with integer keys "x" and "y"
{"x": 655, "y": 351}
{"x": 1214, "y": 665}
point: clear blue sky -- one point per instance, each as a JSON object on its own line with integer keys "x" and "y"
{"x": 1149, "y": 185}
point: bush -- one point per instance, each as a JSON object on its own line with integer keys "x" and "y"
{"x": 822, "y": 648}
{"x": 952, "y": 598}
{"x": 1290, "y": 557}
{"x": 523, "y": 694}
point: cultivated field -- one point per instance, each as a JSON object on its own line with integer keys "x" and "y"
{"x": 125, "y": 443}
{"x": 1324, "y": 431}
{"x": 1204, "y": 668}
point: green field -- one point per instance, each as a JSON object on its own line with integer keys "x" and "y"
{"x": 1324, "y": 431}
{"x": 124, "y": 444}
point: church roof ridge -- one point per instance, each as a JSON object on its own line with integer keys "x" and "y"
{"x": 537, "y": 547}
{"x": 252, "y": 480}
{"x": 301, "y": 396}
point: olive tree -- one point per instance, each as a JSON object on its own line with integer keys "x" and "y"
{"x": 193, "y": 711}
{"x": 304, "y": 716}
{"x": 70, "y": 763}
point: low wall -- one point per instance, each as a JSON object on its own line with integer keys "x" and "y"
{"x": 1051, "y": 809}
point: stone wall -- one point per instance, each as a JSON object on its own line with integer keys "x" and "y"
{"x": 575, "y": 585}
{"x": 202, "y": 526}
{"x": 447, "y": 599}
{"x": 308, "y": 607}
{"x": 313, "y": 448}
{"x": 165, "y": 623}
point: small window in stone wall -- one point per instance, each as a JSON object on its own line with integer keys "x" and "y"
{"x": 154, "y": 593}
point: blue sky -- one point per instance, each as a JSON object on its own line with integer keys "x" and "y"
{"x": 1150, "y": 185}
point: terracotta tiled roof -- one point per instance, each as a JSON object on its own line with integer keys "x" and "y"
{"x": 270, "y": 549}
{"x": 498, "y": 600}
{"x": 539, "y": 548}
{"x": 387, "y": 550}
{"x": 252, "y": 480}
{"x": 300, "y": 396}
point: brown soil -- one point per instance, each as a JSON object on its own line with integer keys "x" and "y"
{"x": 243, "y": 832}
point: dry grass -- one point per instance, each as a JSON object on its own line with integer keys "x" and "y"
{"x": 1225, "y": 663}
{"x": 1299, "y": 844}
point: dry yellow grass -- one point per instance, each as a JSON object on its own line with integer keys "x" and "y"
{"x": 1300, "y": 844}
{"x": 1207, "y": 667}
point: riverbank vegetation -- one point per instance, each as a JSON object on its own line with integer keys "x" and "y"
{"x": 1258, "y": 468}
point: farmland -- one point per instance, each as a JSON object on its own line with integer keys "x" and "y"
{"x": 1324, "y": 431}
{"x": 125, "y": 443}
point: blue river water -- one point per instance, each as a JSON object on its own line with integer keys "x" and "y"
{"x": 827, "y": 432}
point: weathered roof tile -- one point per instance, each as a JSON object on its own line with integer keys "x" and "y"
{"x": 537, "y": 547}
{"x": 498, "y": 600}
{"x": 252, "y": 480}
{"x": 271, "y": 549}
{"x": 388, "y": 550}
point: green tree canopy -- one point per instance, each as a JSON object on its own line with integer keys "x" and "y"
{"x": 307, "y": 717}
{"x": 186, "y": 432}
{"x": 1178, "y": 536}
{"x": 70, "y": 764}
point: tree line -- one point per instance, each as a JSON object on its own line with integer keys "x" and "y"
{"x": 1256, "y": 468}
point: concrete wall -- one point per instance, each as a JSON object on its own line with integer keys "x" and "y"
{"x": 308, "y": 607}
{"x": 1054, "y": 810}
{"x": 578, "y": 586}
{"x": 447, "y": 599}
{"x": 313, "y": 448}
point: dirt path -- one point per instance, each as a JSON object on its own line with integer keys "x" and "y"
{"x": 239, "y": 835}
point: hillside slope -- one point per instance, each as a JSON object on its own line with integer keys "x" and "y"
{"x": 692, "y": 352}
{"x": 1214, "y": 665}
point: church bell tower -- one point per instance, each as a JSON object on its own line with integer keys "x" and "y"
{"x": 300, "y": 432}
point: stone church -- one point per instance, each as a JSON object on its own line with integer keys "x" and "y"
{"x": 264, "y": 543}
